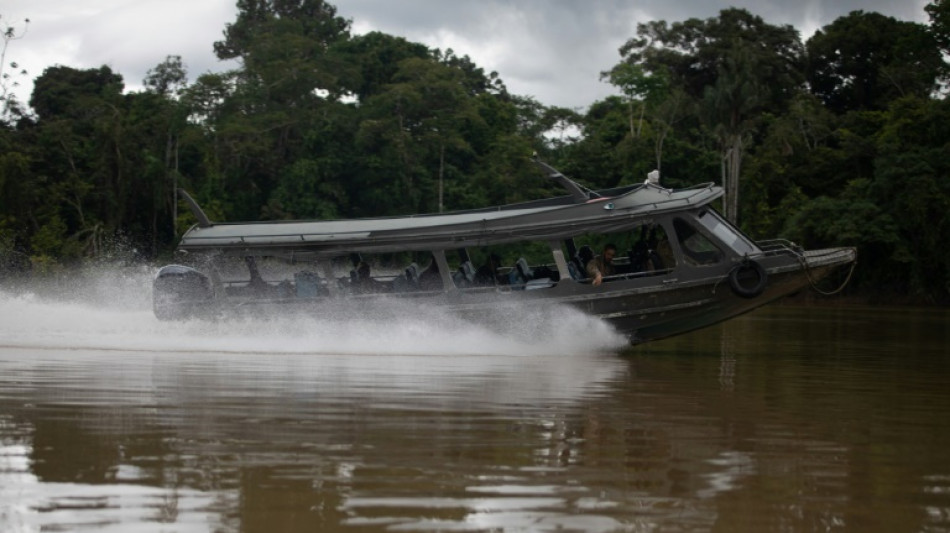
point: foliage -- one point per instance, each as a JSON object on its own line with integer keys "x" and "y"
{"x": 939, "y": 13}
{"x": 734, "y": 66}
{"x": 866, "y": 60}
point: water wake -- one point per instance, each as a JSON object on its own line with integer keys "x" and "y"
{"x": 109, "y": 308}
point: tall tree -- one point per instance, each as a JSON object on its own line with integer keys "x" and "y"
{"x": 735, "y": 64}
{"x": 654, "y": 100}
{"x": 286, "y": 79}
{"x": 283, "y": 44}
{"x": 167, "y": 81}
{"x": 373, "y": 60}
{"x": 939, "y": 12}
{"x": 865, "y": 60}
{"x": 423, "y": 117}
{"x": 690, "y": 53}
{"x": 729, "y": 108}
{"x": 89, "y": 158}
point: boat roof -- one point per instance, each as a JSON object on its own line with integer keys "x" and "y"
{"x": 548, "y": 219}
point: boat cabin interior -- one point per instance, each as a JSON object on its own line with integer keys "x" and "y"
{"x": 645, "y": 248}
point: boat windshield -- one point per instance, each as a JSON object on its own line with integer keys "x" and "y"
{"x": 725, "y": 232}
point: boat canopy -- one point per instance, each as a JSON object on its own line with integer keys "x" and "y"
{"x": 551, "y": 219}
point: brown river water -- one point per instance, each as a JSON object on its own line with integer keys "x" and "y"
{"x": 787, "y": 419}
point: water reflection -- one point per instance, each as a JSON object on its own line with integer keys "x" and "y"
{"x": 786, "y": 419}
{"x": 316, "y": 440}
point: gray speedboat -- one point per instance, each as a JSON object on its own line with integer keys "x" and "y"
{"x": 679, "y": 264}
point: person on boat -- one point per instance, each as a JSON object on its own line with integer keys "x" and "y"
{"x": 256, "y": 284}
{"x": 430, "y": 279}
{"x": 487, "y": 274}
{"x": 602, "y": 265}
{"x": 365, "y": 283}
{"x": 661, "y": 253}
{"x": 256, "y": 280}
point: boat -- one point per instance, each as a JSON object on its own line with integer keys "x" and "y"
{"x": 678, "y": 264}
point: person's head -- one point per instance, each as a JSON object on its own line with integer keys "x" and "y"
{"x": 609, "y": 252}
{"x": 363, "y": 270}
{"x": 494, "y": 260}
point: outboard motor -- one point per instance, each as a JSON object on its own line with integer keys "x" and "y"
{"x": 179, "y": 292}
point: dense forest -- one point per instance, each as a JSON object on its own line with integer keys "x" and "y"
{"x": 843, "y": 139}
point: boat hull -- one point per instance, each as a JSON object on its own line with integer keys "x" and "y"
{"x": 683, "y": 308}
{"x": 643, "y": 308}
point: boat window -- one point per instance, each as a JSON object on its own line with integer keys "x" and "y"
{"x": 371, "y": 273}
{"x": 643, "y": 249}
{"x": 725, "y": 232}
{"x": 697, "y": 248}
{"x": 525, "y": 265}
{"x": 659, "y": 253}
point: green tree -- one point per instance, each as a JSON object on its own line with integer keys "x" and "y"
{"x": 20, "y": 193}
{"x": 419, "y": 118}
{"x": 654, "y": 99}
{"x": 80, "y": 135}
{"x": 690, "y": 53}
{"x": 260, "y": 113}
{"x": 866, "y": 60}
{"x": 912, "y": 183}
{"x": 729, "y": 109}
{"x": 736, "y": 65}
{"x": 608, "y": 155}
{"x": 326, "y": 179}
{"x": 797, "y": 157}
{"x": 373, "y": 60}
{"x": 105, "y": 164}
{"x": 169, "y": 78}
{"x": 939, "y": 13}
{"x": 167, "y": 81}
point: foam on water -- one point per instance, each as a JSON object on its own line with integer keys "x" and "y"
{"x": 109, "y": 308}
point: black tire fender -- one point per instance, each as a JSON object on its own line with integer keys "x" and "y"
{"x": 743, "y": 273}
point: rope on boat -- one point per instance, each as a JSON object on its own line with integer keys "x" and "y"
{"x": 814, "y": 283}
{"x": 724, "y": 278}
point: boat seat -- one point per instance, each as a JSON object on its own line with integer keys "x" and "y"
{"x": 308, "y": 285}
{"x": 465, "y": 277}
{"x": 574, "y": 271}
{"x": 409, "y": 281}
{"x": 584, "y": 255}
{"x": 534, "y": 278}
{"x": 520, "y": 275}
{"x": 526, "y": 272}
{"x": 540, "y": 283}
{"x": 638, "y": 256}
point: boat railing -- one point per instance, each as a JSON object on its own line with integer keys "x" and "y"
{"x": 639, "y": 274}
{"x": 772, "y": 247}
{"x": 695, "y": 190}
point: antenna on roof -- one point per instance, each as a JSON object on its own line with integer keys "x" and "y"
{"x": 578, "y": 191}
{"x": 203, "y": 221}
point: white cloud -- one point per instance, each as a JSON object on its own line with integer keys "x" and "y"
{"x": 553, "y": 50}
{"x": 129, "y": 36}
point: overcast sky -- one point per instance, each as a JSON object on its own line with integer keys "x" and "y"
{"x": 553, "y": 50}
